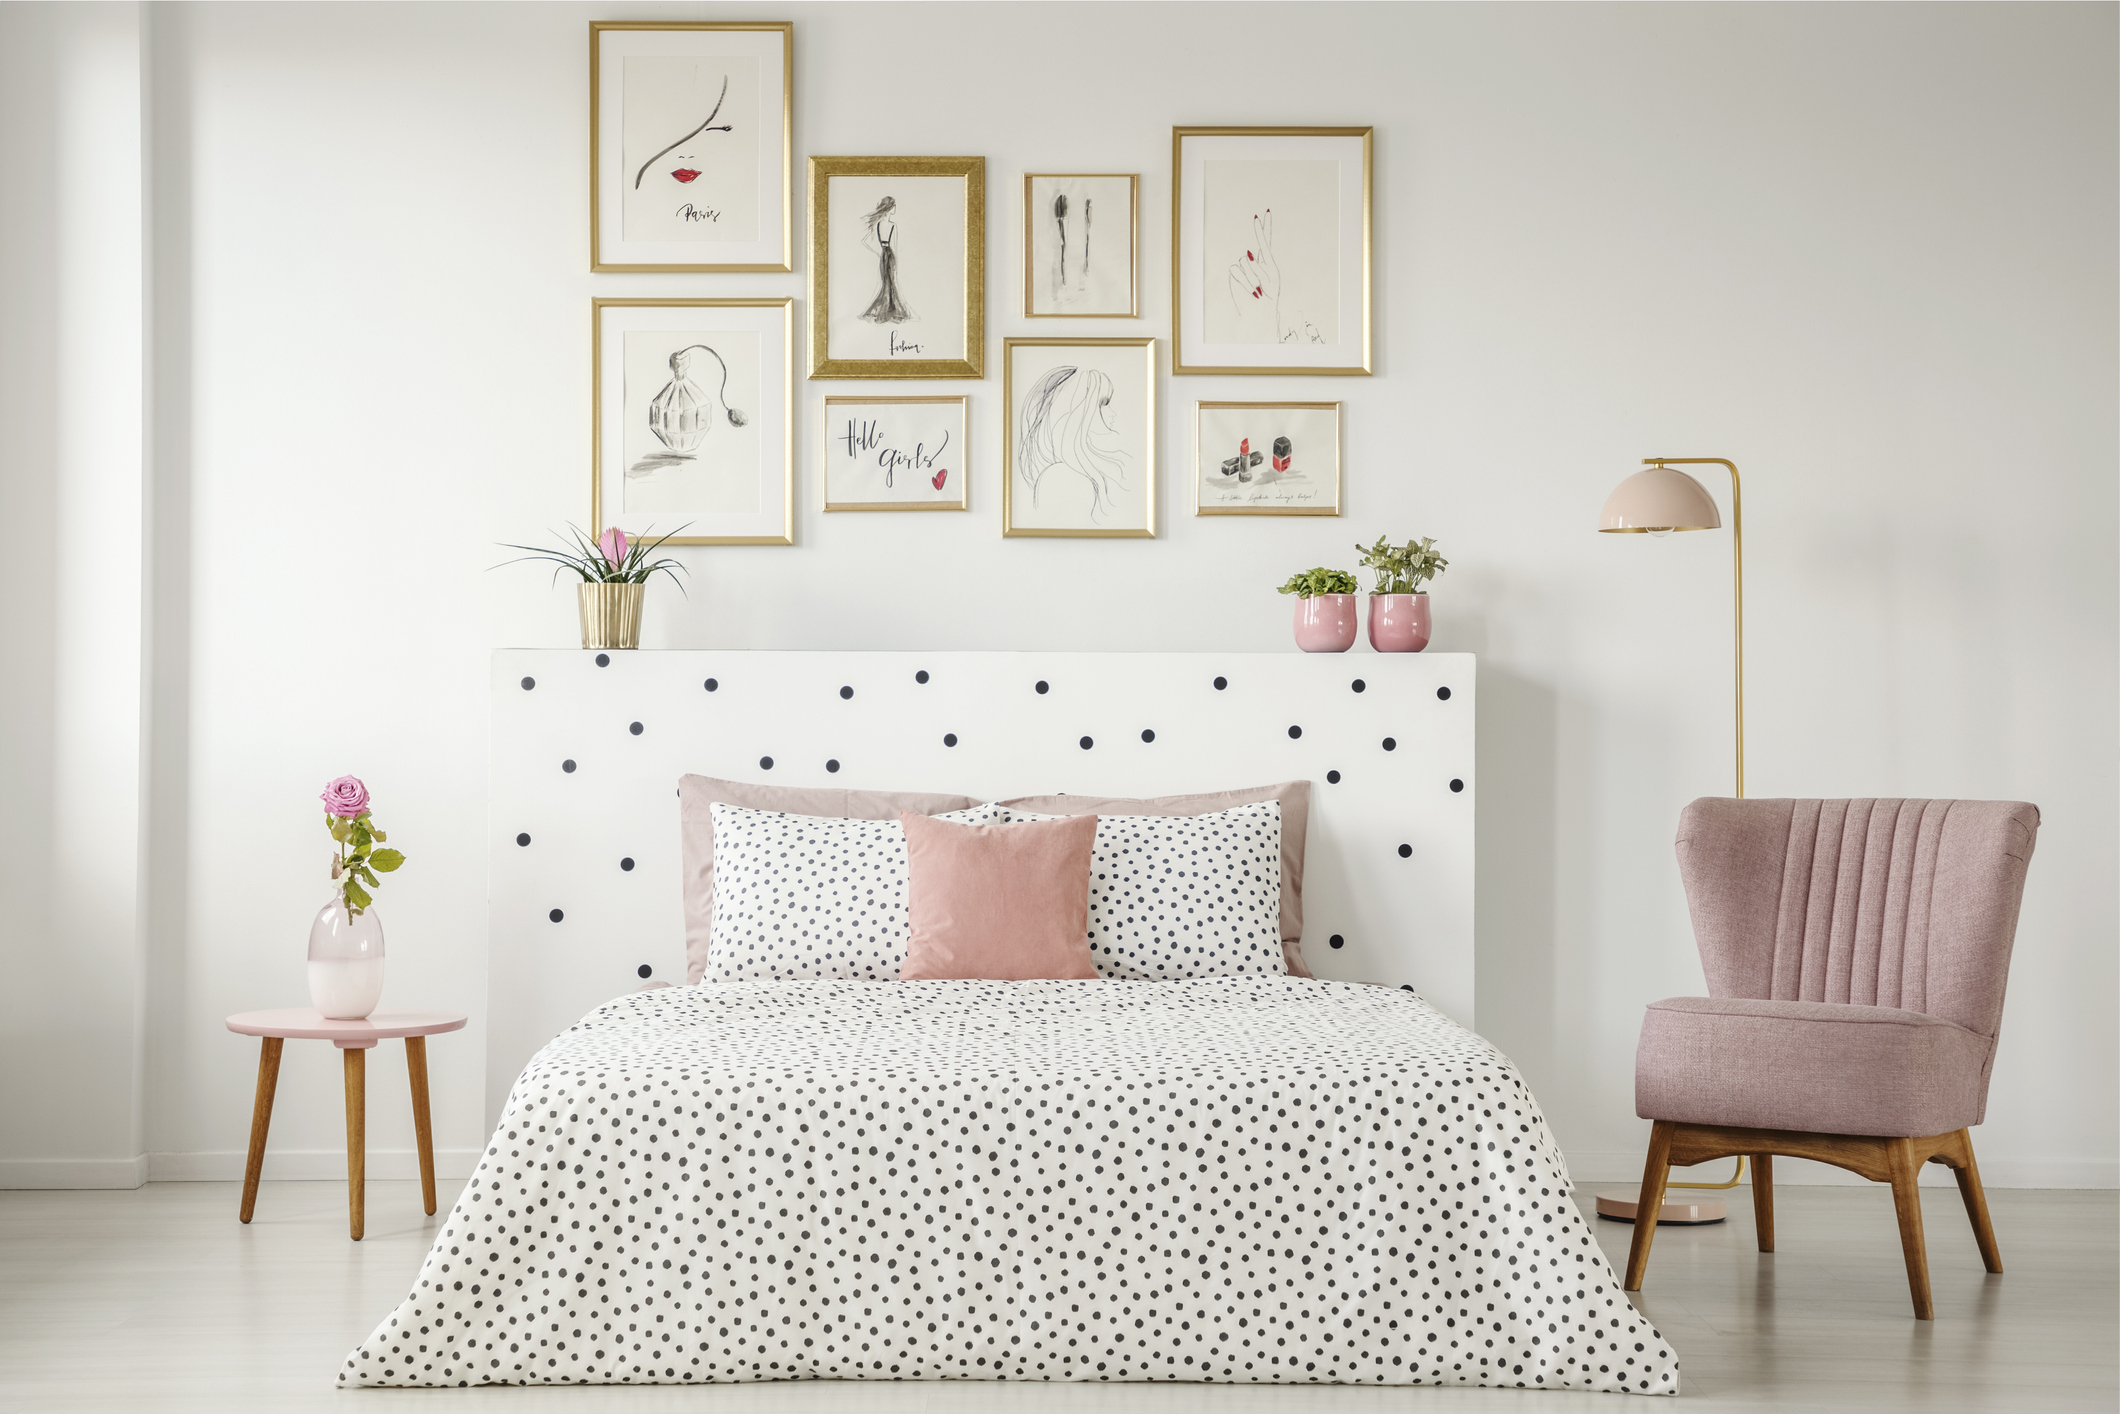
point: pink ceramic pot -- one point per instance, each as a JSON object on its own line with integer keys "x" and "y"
{"x": 1325, "y": 623}
{"x": 1398, "y": 623}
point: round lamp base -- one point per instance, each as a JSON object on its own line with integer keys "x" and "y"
{"x": 1621, "y": 1205}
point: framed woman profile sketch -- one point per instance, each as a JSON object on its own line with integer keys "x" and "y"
{"x": 896, "y": 454}
{"x": 693, "y": 421}
{"x": 1266, "y": 459}
{"x": 1079, "y": 245}
{"x": 1078, "y": 437}
{"x": 689, "y": 152}
{"x": 897, "y": 267}
{"x": 1270, "y": 250}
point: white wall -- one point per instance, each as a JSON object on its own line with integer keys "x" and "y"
{"x": 1867, "y": 252}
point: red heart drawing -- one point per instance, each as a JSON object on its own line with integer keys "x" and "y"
{"x": 939, "y": 476}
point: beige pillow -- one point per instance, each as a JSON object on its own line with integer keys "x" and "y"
{"x": 697, "y": 795}
{"x": 1295, "y": 818}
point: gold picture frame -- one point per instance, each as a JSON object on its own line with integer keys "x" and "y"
{"x": 1357, "y": 344}
{"x": 1034, "y": 223}
{"x": 785, "y": 263}
{"x": 823, "y": 363}
{"x": 959, "y": 459}
{"x": 1140, "y": 404}
{"x": 1269, "y": 496}
{"x": 784, "y": 424}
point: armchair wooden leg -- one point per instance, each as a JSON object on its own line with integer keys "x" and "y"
{"x": 1763, "y": 1199}
{"x": 356, "y": 1139}
{"x": 1906, "y": 1197}
{"x": 422, "y": 1127}
{"x": 261, "y": 1122}
{"x": 1656, "y": 1171}
{"x": 1976, "y": 1206}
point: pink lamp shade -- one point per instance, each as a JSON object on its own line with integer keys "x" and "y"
{"x": 1660, "y": 498}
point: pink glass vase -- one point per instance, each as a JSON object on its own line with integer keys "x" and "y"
{"x": 1326, "y": 623}
{"x": 1398, "y": 623}
{"x": 345, "y": 961}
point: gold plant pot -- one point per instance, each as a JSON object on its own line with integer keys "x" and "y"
{"x": 611, "y": 615}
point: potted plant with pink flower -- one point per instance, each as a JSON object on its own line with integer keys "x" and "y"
{"x": 615, "y": 569}
{"x": 346, "y": 940}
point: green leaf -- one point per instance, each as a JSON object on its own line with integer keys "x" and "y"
{"x": 357, "y": 898}
{"x": 364, "y": 872}
{"x": 341, "y": 831}
{"x": 386, "y": 859}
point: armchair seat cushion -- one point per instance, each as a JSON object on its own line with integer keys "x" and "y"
{"x": 1819, "y": 1067}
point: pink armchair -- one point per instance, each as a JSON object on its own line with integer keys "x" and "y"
{"x": 1856, "y": 952}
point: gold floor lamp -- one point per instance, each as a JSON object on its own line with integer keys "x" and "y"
{"x": 1657, "y": 502}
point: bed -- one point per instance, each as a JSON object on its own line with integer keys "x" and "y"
{"x": 1228, "y": 1180}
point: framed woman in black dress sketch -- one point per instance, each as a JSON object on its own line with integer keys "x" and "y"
{"x": 897, "y": 267}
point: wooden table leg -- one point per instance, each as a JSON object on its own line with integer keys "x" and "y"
{"x": 1649, "y": 1204}
{"x": 422, "y": 1127}
{"x": 1763, "y": 1199}
{"x": 261, "y": 1120}
{"x": 356, "y": 1138}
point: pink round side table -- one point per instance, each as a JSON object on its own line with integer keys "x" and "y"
{"x": 354, "y": 1038}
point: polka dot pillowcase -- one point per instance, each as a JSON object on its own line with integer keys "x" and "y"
{"x": 801, "y": 898}
{"x": 1173, "y": 897}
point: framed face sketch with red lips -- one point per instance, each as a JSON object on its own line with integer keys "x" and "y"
{"x": 689, "y": 165}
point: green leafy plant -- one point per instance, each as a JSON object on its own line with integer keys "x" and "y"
{"x": 1402, "y": 569}
{"x": 611, "y": 558}
{"x": 1311, "y": 583}
{"x": 359, "y": 859}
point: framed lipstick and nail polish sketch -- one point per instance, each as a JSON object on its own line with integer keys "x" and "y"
{"x": 1266, "y": 459}
{"x": 690, "y": 165}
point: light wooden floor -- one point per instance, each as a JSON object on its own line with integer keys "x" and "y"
{"x": 158, "y": 1300}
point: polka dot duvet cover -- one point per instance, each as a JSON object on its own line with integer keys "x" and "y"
{"x": 1231, "y": 1179}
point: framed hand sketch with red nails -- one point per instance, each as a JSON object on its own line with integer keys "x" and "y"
{"x": 689, "y": 146}
{"x": 1270, "y": 250}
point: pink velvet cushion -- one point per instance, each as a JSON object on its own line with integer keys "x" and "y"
{"x": 1009, "y": 903}
{"x": 1820, "y": 1067}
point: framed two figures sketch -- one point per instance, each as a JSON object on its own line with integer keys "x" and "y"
{"x": 1078, "y": 245}
{"x": 693, "y": 421}
{"x": 897, "y": 267}
{"x": 1078, "y": 437}
{"x": 689, "y": 157}
{"x": 1270, "y": 250}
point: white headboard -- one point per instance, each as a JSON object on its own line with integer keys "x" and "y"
{"x": 588, "y": 746}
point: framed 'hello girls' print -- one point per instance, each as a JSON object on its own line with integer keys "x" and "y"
{"x": 689, "y": 146}
{"x": 897, "y": 267}
{"x": 693, "y": 420}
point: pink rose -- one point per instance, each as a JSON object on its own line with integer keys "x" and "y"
{"x": 346, "y": 797}
{"x": 613, "y": 544}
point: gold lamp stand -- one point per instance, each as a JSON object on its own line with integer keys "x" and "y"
{"x": 1659, "y": 501}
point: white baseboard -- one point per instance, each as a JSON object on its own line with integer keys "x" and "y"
{"x": 226, "y": 1165}
{"x": 76, "y": 1173}
{"x": 1595, "y": 1167}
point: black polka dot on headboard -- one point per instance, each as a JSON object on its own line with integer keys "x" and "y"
{"x": 644, "y": 971}
{"x": 1406, "y": 986}
{"x": 529, "y": 683}
{"x": 1043, "y": 687}
{"x": 1442, "y": 694}
{"x": 1332, "y": 778}
{"x": 1221, "y": 683}
{"x": 1086, "y": 743}
{"x": 603, "y": 660}
{"x": 1457, "y": 785}
{"x": 636, "y": 729}
{"x": 555, "y": 915}
{"x": 522, "y": 840}
{"x": 921, "y": 676}
{"x": 1391, "y": 743}
{"x": 949, "y": 738}
{"x": 1360, "y": 686}
{"x": 1294, "y": 733}
{"x": 567, "y": 766}
{"x": 845, "y": 693}
{"x": 1405, "y": 851}
{"x": 713, "y": 684}
{"x": 1336, "y": 941}
{"x": 832, "y": 766}
{"x": 626, "y": 864}
{"x": 765, "y": 763}
{"x": 1148, "y": 736}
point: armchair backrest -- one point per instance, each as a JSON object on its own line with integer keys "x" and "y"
{"x": 1899, "y": 903}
